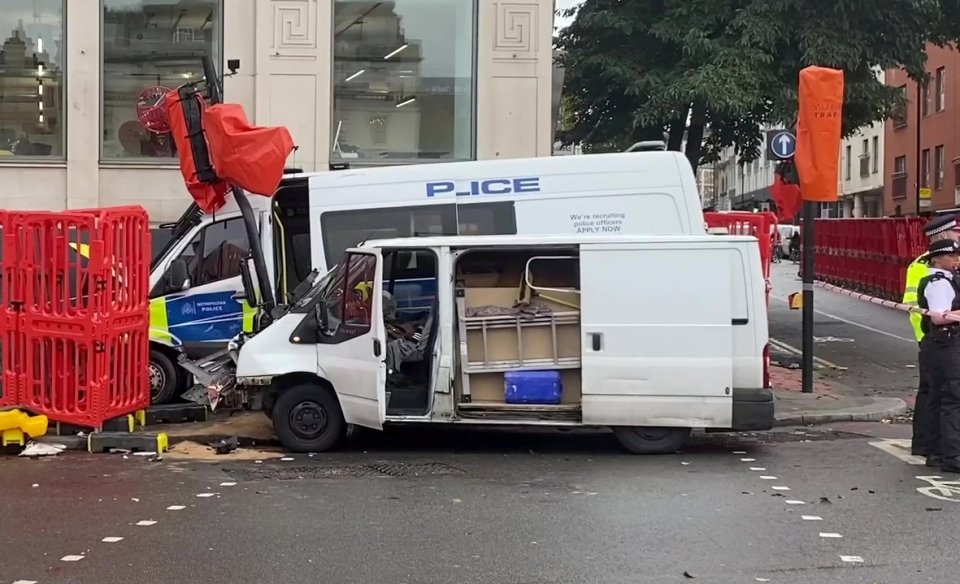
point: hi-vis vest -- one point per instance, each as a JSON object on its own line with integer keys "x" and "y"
{"x": 916, "y": 271}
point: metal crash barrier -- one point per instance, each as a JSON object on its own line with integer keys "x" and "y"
{"x": 74, "y": 315}
{"x": 868, "y": 255}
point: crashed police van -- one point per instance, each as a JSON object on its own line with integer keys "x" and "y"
{"x": 196, "y": 299}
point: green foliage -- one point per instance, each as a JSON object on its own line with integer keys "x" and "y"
{"x": 635, "y": 66}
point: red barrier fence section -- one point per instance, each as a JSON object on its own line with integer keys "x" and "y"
{"x": 868, "y": 255}
{"x": 77, "y": 313}
{"x": 763, "y": 226}
{"x": 9, "y": 355}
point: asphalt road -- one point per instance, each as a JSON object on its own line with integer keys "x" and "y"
{"x": 874, "y": 343}
{"x": 414, "y": 507}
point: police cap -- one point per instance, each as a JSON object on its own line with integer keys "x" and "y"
{"x": 939, "y": 225}
{"x": 943, "y": 247}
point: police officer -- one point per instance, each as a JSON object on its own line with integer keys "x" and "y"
{"x": 937, "y": 229}
{"x": 939, "y": 292}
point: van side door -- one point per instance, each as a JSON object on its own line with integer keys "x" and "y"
{"x": 193, "y": 305}
{"x": 656, "y": 326}
{"x": 351, "y": 350}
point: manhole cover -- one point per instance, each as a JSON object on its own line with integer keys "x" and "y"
{"x": 377, "y": 469}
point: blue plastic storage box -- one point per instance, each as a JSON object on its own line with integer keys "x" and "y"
{"x": 532, "y": 387}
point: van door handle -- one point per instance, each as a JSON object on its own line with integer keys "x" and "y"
{"x": 596, "y": 340}
{"x": 376, "y": 347}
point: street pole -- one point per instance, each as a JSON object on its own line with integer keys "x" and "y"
{"x": 809, "y": 213}
{"x": 919, "y": 177}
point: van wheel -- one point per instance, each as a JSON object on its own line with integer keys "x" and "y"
{"x": 307, "y": 418}
{"x": 164, "y": 380}
{"x": 648, "y": 440}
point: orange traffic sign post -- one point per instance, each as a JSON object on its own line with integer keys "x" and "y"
{"x": 817, "y": 160}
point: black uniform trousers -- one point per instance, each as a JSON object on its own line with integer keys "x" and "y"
{"x": 925, "y": 441}
{"x": 942, "y": 349}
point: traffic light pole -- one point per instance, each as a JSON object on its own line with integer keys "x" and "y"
{"x": 809, "y": 213}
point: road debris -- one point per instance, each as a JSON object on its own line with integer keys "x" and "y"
{"x": 37, "y": 449}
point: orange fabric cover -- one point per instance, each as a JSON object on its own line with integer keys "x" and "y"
{"x": 819, "y": 133}
{"x": 209, "y": 196}
{"x": 251, "y": 157}
{"x": 787, "y": 197}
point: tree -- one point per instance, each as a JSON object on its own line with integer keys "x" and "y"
{"x": 642, "y": 69}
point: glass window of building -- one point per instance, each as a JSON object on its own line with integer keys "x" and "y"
{"x": 150, "y": 47}
{"x": 31, "y": 79}
{"x": 403, "y": 81}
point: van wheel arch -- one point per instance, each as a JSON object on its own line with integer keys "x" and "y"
{"x": 306, "y": 413}
{"x": 648, "y": 440}
{"x": 163, "y": 369}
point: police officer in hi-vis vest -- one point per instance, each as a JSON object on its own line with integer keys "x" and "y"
{"x": 924, "y": 419}
{"x": 939, "y": 292}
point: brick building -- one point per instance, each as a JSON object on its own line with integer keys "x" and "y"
{"x": 938, "y": 153}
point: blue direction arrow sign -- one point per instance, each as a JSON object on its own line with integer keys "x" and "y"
{"x": 781, "y": 145}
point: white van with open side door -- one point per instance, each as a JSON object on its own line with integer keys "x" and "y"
{"x": 650, "y": 335}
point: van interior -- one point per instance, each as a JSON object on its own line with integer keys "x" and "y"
{"x": 519, "y": 311}
{"x": 411, "y": 317}
{"x": 291, "y": 233}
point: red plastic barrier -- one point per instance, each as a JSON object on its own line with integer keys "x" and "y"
{"x": 763, "y": 226}
{"x": 868, "y": 255}
{"x": 9, "y": 355}
{"x": 77, "y": 313}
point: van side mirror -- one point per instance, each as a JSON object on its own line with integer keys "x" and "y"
{"x": 320, "y": 314}
{"x": 178, "y": 276}
{"x": 246, "y": 279}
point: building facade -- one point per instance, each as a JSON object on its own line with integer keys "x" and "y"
{"x": 920, "y": 141}
{"x": 359, "y": 81}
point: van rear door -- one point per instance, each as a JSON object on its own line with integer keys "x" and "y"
{"x": 657, "y": 340}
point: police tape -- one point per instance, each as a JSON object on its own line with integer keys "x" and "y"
{"x": 888, "y": 303}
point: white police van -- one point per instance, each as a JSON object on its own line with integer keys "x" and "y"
{"x": 314, "y": 217}
{"x": 523, "y": 330}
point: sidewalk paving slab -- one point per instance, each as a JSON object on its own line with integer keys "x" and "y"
{"x": 830, "y": 401}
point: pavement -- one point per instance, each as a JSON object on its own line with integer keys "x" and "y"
{"x": 798, "y": 505}
{"x": 865, "y": 355}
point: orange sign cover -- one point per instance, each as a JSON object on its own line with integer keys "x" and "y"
{"x": 819, "y": 131}
{"x": 251, "y": 157}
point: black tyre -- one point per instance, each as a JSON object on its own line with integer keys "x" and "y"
{"x": 307, "y": 418}
{"x": 648, "y": 440}
{"x": 164, "y": 378}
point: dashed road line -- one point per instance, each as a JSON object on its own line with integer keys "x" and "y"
{"x": 795, "y": 502}
{"x": 72, "y": 558}
{"x": 828, "y": 535}
{"x": 811, "y": 518}
{"x": 176, "y": 508}
{"x": 780, "y": 488}
{"x": 111, "y": 539}
{"x": 146, "y": 523}
{"x": 852, "y": 559}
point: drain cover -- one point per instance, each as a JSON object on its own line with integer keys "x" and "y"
{"x": 377, "y": 469}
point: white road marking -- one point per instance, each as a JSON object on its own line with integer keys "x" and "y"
{"x": 739, "y": 451}
{"x": 205, "y": 495}
{"x": 830, "y": 535}
{"x": 748, "y": 460}
{"x": 758, "y": 468}
{"x": 811, "y": 518}
{"x": 228, "y": 484}
{"x": 768, "y": 478}
{"x": 176, "y": 508}
{"x": 286, "y": 459}
{"x": 111, "y": 539}
{"x": 857, "y": 324}
{"x": 25, "y": 582}
{"x": 762, "y": 579}
{"x": 852, "y": 559}
{"x": 146, "y": 523}
{"x": 71, "y": 558}
{"x": 900, "y": 448}
{"x": 795, "y": 502}
{"x": 818, "y": 363}
{"x": 940, "y": 489}
{"x": 780, "y": 488}
{"x": 684, "y": 462}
